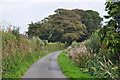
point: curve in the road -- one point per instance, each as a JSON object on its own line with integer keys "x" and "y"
{"x": 46, "y": 67}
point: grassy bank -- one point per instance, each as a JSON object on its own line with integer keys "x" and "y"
{"x": 19, "y": 53}
{"x": 70, "y": 69}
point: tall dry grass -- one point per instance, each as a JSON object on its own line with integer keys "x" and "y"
{"x": 79, "y": 54}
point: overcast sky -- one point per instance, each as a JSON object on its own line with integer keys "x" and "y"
{"x": 21, "y": 12}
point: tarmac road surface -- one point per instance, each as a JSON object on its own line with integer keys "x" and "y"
{"x": 46, "y": 67}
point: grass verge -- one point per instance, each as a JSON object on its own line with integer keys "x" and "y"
{"x": 18, "y": 64}
{"x": 70, "y": 69}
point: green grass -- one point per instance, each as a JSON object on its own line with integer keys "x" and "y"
{"x": 70, "y": 69}
{"x": 17, "y": 65}
{"x": 19, "y": 54}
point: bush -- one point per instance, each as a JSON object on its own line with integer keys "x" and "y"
{"x": 75, "y": 44}
{"x": 45, "y": 42}
{"x": 19, "y": 54}
{"x": 79, "y": 54}
{"x": 101, "y": 64}
{"x": 15, "y": 32}
{"x": 101, "y": 67}
{"x": 110, "y": 43}
{"x": 96, "y": 59}
{"x": 93, "y": 45}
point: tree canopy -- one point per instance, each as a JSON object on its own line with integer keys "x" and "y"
{"x": 110, "y": 34}
{"x": 66, "y": 25}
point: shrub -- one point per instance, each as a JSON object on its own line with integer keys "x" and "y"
{"x": 75, "y": 44}
{"x": 101, "y": 67}
{"x": 15, "y": 32}
{"x": 95, "y": 58}
{"x": 101, "y": 64}
{"x": 93, "y": 45}
{"x": 79, "y": 54}
{"x": 45, "y": 42}
{"x": 19, "y": 54}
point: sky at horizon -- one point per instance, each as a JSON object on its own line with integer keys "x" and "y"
{"x": 21, "y": 12}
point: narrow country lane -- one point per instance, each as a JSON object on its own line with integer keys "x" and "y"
{"x": 46, "y": 67}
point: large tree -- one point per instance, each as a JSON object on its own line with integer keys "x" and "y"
{"x": 64, "y": 26}
{"x": 110, "y": 34}
{"x": 91, "y": 19}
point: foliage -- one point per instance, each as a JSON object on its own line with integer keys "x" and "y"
{"x": 102, "y": 67}
{"x": 91, "y": 19}
{"x": 112, "y": 43}
{"x": 106, "y": 45}
{"x": 100, "y": 64}
{"x": 93, "y": 45}
{"x": 70, "y": 69}
{"x": 79, "y": 54}
{"x": 66, "y": 26}
{"x": 12, "y": 66}
{"x": 103, "y": 63}
{"x": 103, "y": 46}
{"x": 55, "y": 46}
{"x": 113, "y": 9}
{"x": 15, "y": 32}
{"x": 109, "y": 34}
{"x": 19, "y": 54}
{"x": 75, "y": 44}
{"x": 96, "y": 63}
{"x": 39, "y": 41}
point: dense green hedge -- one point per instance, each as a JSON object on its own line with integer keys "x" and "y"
{"x": 18, "y": 54}
{"x": 103, "y": 63}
